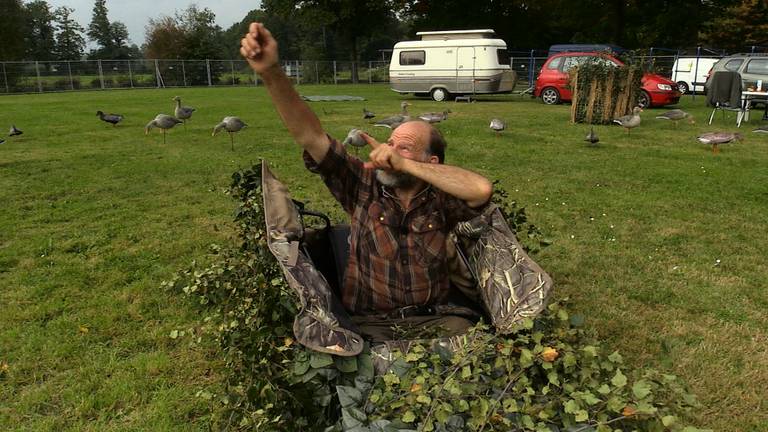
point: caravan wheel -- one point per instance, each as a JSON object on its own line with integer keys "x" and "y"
{"x": 439, "y": 94}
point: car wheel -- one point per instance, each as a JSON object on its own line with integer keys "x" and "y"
{"x": 439, "y": 94}
{"x": 644, "y": 100}
{"x": 550, "y": 96}
{"x": 683, "y": 87}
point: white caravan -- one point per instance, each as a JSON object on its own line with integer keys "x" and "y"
{"x": 457, "y": 62}
{"x": 690, "y": 73}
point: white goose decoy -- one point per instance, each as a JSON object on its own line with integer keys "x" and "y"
{"x": 630, "y": 121}
{"x": 230, "y": 124}
{"x": 497, "y": 125}
{"x": 2, "y": 141}
{"x": 162, "y": 121}
{"x": 355, "y": 139}
{"x": 367, "y": 115}
{"x": 435, "y": 117}
{"x": 676, "y": 115}
{"x": 14, "y": 131}
{"x": 114, "y": 119}
{"x": 761, "y": 129}
{"x": 716, "y": 138}
{"x": 182, "y": 113}
{"x": 592, "y": 137}
{"x": 396, "y": 120}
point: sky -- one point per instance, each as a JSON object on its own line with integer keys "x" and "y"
{"x": 135, "y": 14}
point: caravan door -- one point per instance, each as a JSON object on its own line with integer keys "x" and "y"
{"x": 465, "y": 70}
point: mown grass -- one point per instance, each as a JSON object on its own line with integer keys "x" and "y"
{"x": 658, "y": 241}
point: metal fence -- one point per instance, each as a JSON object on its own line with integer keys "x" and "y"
{"x": 38, "y": 76}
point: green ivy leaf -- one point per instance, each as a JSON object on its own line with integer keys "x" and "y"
{"x": 619, "y": 380}
{"x": 615, "y": 357}
{"x": 668, "y": 420}
{"x": 408, "y": 417}
{"x": 320, "y": 360}
{"x": 641, "y": 389}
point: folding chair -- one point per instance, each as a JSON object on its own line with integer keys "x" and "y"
{"x": 725, "y": 94}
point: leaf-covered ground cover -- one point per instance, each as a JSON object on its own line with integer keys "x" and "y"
{"x": 657, "y": 242}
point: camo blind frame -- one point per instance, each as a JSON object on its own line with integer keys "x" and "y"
{"x": 603, "y": 92}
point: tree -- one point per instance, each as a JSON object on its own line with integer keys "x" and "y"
{"x": 99, "y": 30}
{"x": 735, "y": 25}
{"x": 112, "y": 37}
{"x": 12, "y": 30}
{"x": 190, "y": 34}
{"x": 69, "y": 35}
{"x": 164, "y": 38}
{"x": 39, "y": 39}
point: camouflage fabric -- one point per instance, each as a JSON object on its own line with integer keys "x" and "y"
{"x": 511, "y": 286}
{"x": 322, "y": 324}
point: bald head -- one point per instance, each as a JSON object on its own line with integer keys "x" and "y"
{"x": 422, "y": 136}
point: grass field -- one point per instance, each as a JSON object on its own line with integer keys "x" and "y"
{"x": 660, "y": 243}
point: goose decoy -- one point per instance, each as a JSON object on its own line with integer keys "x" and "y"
{"x": 182, "y": 113}
{"x": 592, "y": 137}
{"x": 2, "y": 140}
{"x": 110, "y": 118}
{"x": 367, "y": 115}
{"x": 676, "y": 115}
{"x": 355, "y": 139}
{"x": 162, "y": 121}
{"x": 230, "y": 124}
{"x": 14, "y": 131}
{"x": 717, "y": 138}
{"x": 761, "y": 129}
{"x": 396, "y": 120}
{"x": 435, "y": 117}
{"x": 630, "y": 121}
{"x": 498, "y": 125}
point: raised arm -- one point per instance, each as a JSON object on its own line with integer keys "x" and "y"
{"x": 260, "y": 49}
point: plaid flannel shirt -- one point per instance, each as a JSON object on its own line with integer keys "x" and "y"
{"x": 397, "y": 257}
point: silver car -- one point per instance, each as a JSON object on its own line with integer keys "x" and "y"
{"x": 753, "y": 69}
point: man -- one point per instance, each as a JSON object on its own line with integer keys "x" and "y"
{"x": 403, "y": 203}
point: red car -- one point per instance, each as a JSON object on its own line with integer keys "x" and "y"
{"x": 553, "y": 87}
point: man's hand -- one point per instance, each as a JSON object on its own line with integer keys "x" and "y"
{"x": 382, "y": 155}
{"x": 259, "y": 48}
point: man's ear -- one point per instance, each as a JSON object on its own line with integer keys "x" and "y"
{"x": 433, "y": 159}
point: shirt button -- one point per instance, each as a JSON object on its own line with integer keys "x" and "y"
{"x": 381, "y": 218}
{"x": 404, "y": 262}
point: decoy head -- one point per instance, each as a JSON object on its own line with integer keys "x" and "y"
{"x": 99, "y": 113}
{"x": 149, "y": 126}
{"x": 177, "y": 98}
{"x": 218, "y": 128}
{"x": 637, "y": 110}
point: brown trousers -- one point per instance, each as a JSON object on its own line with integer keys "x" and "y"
{"x": 382, "y": 329}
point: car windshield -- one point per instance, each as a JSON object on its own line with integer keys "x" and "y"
{"x": 572, "y": 61}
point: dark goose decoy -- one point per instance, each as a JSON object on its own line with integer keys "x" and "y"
{"x": 231, "y": 124}
{"x": 717, "y": 138}
{"x": 395, "y": 120}
{"x": 162, "y": 121}
{"x": 367, "y": 115}
{"x": 497, "y": 125}
{"x": 14, "y": 131}
{"x": 630, "y": 121}
{"x": 114, "y": 119}
{"x": 592, "y": 137}
{"x": 182, "y": 113}
{"x": 676, "y": 115}
{"x": 435, "y": 117}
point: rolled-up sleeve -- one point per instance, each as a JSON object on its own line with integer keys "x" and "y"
{"x": 346, "y": 178}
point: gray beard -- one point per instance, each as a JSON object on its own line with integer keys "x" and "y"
{"x": 395, "y": 179}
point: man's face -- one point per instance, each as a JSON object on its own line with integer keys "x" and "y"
{"x": 411, "y": 141}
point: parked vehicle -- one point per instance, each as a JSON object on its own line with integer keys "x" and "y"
{"x": 752, "y": 67}
{"x": 553, "y": 85}
{"x": 690, "y": 73}
{"x": 451, "y": 63}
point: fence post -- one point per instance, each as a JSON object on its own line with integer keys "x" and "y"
{"x": 232, "y": 67}
{"x": 255, "y": 78}
{"x": 317, "y": 74}
{"x": 183, "y": 73}
{"x": 530, "y": 70}
{"x": 157, "y": 74}
{"x": 101, "y": 75}
{"x": 696, "y": 72}
{"x": 69, "y": 70}
{"x": 130, "y": 73}
{"x": 208, "y": 68}
{"x": 5, "y": 79}
{"x": 335, "y": 81}
{"x": 37, "y": 71}
{"x": 370, "y": 80}
{"x": 298, "y": 73}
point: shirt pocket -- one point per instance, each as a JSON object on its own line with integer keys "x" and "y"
{"x": 428, "y": 236}
{"x": 379, "y": 233}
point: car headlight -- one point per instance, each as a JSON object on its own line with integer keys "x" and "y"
{"x": 666, "y": 87}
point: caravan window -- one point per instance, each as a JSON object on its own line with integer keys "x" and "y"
{"x": 503, "y": 56}
{"x": 412, "y": 58}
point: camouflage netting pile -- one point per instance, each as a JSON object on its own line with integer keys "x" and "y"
{"x": 602, "y": 91}
{"x": 548, "y": 375}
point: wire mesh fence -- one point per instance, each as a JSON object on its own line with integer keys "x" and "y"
{"x": 39, "y": 76}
